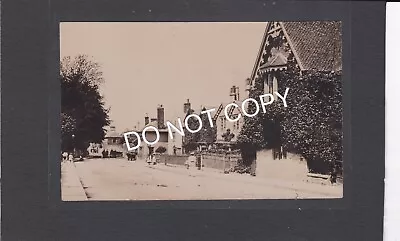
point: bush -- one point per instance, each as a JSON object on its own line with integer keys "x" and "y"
{"x": 161, "y": 149}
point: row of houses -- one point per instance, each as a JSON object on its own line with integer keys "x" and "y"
{"x": 173, "y": 146}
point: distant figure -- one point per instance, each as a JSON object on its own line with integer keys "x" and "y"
{"x": 174, "y": 150}
{"x": 65, "y": 156}
{"x": 106, "y": 153}
{"x": 71, "y": 157}
{"x": 198, "y": 161}
{"x": 131, "y": 156}
{"x": 333, "y": 173}
{"x": 190, "y": 161}
{"x": 150, "y": 159}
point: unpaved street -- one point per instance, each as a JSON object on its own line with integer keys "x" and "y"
{"x": 118, "y": 179}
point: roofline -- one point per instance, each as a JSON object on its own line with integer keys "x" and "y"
{"x": 294, "y": 51}
{"x": 260, "y": 51}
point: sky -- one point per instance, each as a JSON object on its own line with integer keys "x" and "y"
{"x": 147, "y": 64}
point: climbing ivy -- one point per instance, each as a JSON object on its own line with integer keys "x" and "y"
{"x": 311, "y": 124}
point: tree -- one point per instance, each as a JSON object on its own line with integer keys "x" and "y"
{"x": 250, "y": 138}
{"x": 82, "y": 101}
{"x": 207, "y": 134}
{"x": 191, "y": 139}
{"x": 68, "y": 128}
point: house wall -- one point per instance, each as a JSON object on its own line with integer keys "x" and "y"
{"x": 95, "y": 150}
{"x": 114, "y": 146}
{"x": 175, "y": 141}
{"x": 143, "y": 151}
{"x": 151, "y": 136}
{"x": 165, "y": 141}
{"x": 291, "y": 168}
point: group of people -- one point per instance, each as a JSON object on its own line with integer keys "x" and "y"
{"x": 65, "y": 156}
{"x": 131, "y": 156}
{"x": 107, "y": 154}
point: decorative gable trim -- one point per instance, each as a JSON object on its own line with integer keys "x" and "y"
{"x": 260, "y": 53}
{"x": 271, "y": 28}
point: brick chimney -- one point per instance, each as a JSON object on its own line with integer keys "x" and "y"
{"x": 160, "y": 117}
{"x": 146, "y": 119}
{"x": 235, "y": 93}
{"x": 186, "y": 107}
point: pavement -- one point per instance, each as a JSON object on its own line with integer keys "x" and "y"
{"x": 120, "y": 179}
{"x": 71, "y": 187}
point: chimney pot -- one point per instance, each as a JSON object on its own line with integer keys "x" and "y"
{"x": 160, "y": 117}
{"x": 186, "y": 107}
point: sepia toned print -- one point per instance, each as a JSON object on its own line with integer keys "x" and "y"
{"x": 161, "y": 81}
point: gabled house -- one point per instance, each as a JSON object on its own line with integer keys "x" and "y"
{"x": 313, "y": 45}
{"x": 227, "y": 131}
{"x": 306, "y": 46}
{"x": 173, "y": 146}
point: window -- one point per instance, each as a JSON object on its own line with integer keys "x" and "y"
{"x": 270, "y": 83}
{"x": 275, "y": 84}
{"x": 268, "y": 87}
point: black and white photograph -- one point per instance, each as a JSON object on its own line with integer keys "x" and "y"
{"x": 201, "y": 110}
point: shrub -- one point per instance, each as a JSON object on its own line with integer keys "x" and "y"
{"x": 161, "y": 149}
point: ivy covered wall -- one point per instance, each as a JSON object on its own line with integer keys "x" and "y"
{"x": 310, "y": 125}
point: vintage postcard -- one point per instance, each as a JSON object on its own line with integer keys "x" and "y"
{"x": 201, "y": 111}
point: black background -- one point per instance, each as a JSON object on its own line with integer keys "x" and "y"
{"x": 31, "y": 206}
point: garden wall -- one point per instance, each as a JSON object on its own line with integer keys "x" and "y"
{"x": 173, "y": 159}
{"x": 215, "y": 161}
{"x": 220, "y": 161}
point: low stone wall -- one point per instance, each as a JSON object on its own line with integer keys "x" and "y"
{"x": 220, "y": 161}
{"x": 216, "y": 161}
{"x": 173, "y": 159}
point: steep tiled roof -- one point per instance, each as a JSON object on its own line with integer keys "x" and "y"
{"x": 318, "y": 44}
{"x": 278, "y": 60}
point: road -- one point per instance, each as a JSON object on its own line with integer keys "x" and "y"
{"x": 118, "y": 179}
